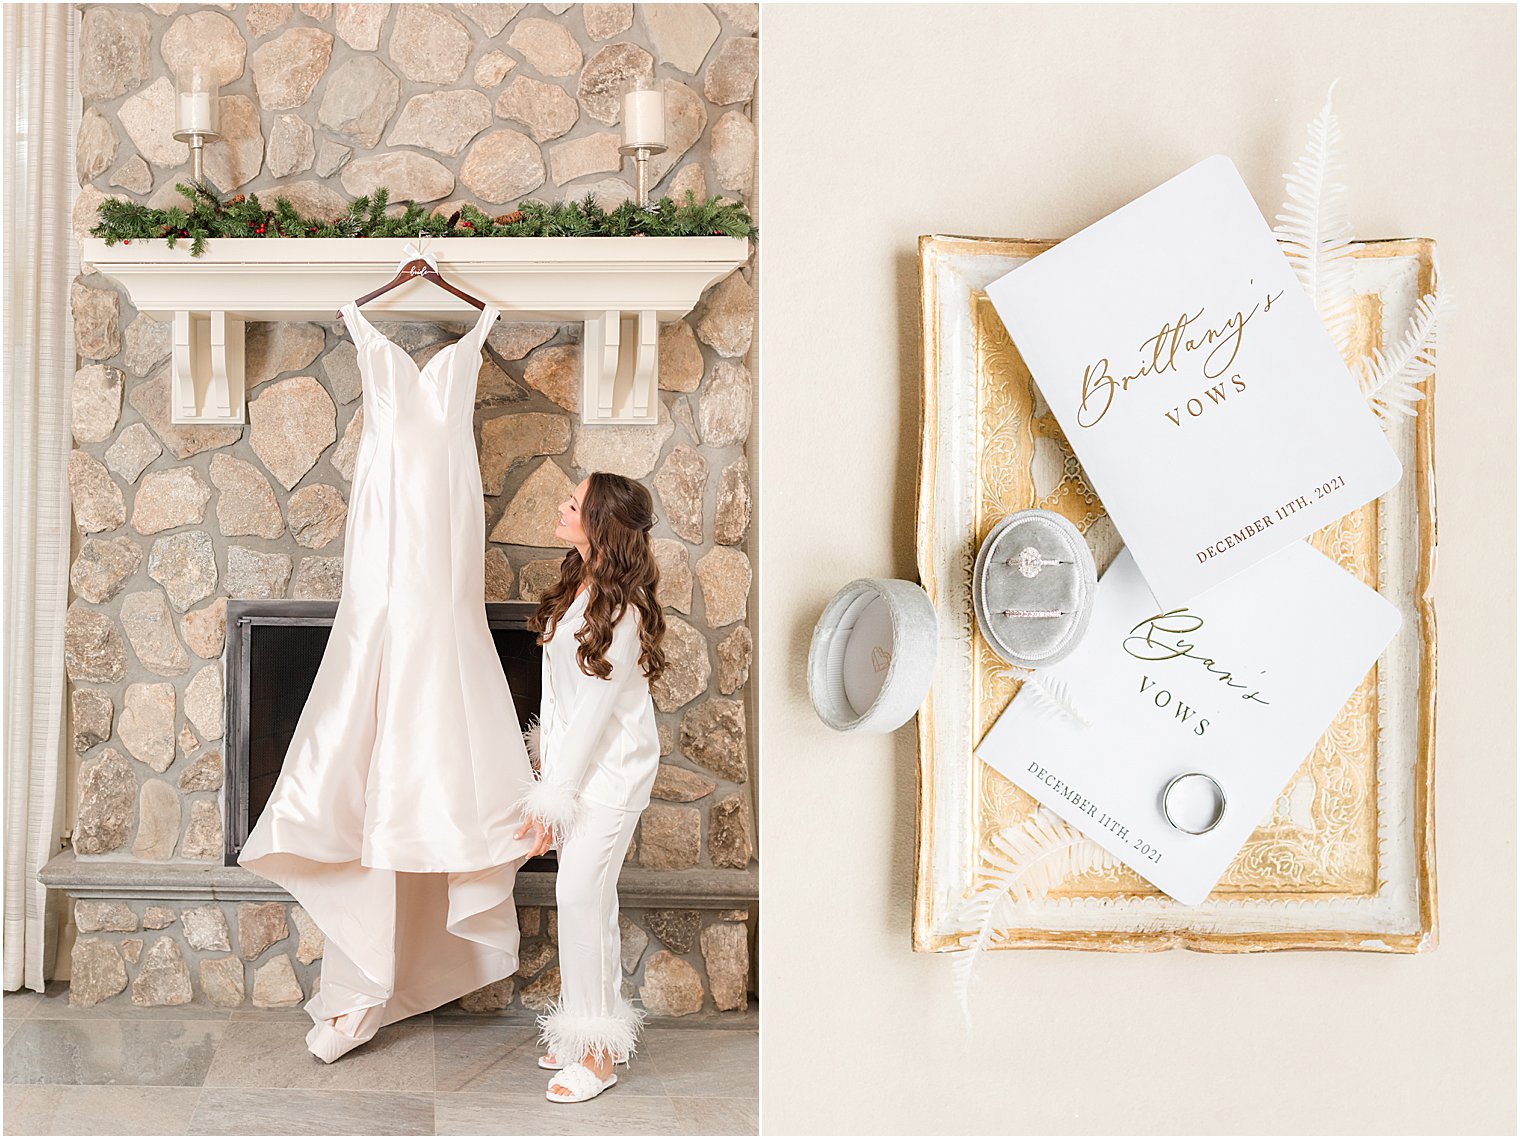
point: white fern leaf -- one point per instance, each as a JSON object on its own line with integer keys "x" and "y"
{"x": 1055, "y": 698}
{"x": 1391, "y": 379}
{"x": 1314, "y": 229}
{"x": 1023, "y": 862}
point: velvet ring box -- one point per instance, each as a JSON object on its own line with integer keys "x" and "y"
{"x": 1033, "y": 587}
{"x": 872, "y": 656}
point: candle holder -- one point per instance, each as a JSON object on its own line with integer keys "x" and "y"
{"x": 197, "y": 111}
{"x": 642, "y": 153}
{"x": 643, "y": 134}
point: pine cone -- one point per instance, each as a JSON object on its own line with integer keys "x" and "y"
{"x": 508, "y": 219}
{"x": 235, "y": 200}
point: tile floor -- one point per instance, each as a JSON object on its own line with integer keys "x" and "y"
{"x": 197, "y": 1070}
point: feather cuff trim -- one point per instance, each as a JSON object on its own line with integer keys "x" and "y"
{"x": 553, "y": 805}
{"x": 531, "y": 741}
{"x": 571, "y": 1037}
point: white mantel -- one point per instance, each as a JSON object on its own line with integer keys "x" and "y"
{"x": 622, "y": 288}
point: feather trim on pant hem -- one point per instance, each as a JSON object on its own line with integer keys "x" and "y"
{"x": 571, "y": 1037}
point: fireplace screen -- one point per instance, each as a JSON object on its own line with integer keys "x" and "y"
{"x": 273, "y": 651}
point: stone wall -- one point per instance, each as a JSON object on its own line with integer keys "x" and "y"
{"x": 677, "y": 962}
{"x": 485, "y": 103}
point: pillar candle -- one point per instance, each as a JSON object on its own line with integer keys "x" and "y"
{"x": 195, "y": 112}
{"x": 644, "y": 118}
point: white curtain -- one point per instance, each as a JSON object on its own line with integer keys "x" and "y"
{"x": 41, "y": 260}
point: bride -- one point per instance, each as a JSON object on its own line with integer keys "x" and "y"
{"x": 597, "y": 755}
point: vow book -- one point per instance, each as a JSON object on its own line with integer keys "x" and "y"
{"x": 1238, "y": 686}
{"x": 1195, "y": 381}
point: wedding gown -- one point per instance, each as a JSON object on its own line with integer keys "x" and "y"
{"x": 393, "y": 819}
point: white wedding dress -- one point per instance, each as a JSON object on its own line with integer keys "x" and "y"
{"x": 393, "y": 819}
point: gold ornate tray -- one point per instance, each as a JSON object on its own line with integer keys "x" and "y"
{"x": 1347, "y": 858}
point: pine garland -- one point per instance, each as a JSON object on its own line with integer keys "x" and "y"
{"x": 209, "y": 215}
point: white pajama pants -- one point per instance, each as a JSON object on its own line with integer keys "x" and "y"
{"x": 592, "y": 1014}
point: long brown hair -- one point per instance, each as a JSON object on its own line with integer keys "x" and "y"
{"x": 617, "y": 514}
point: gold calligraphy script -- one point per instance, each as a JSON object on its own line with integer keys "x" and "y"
{"x": 1165, "y": 352}
{"x": 1164, "y": 636}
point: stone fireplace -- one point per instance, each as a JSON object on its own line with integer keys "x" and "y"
{"x": 180, "y": 527}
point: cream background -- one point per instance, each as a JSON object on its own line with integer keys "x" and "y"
{"x": 884, "y": 123}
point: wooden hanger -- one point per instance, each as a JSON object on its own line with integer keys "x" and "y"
{"x": 419, "y": 268}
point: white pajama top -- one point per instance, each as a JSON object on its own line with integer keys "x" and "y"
{"x": 597, "y": 738}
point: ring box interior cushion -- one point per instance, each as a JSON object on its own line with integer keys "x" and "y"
{"x": 1067, "y": 588}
